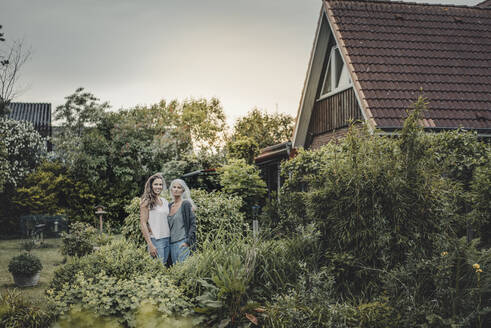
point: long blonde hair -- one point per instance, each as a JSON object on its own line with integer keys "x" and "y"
{"x": 149, "y": 195}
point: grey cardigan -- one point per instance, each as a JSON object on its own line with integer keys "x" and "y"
{"x": 189, "y": 222}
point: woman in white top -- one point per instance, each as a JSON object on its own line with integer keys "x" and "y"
{"x": 153, "y": 218}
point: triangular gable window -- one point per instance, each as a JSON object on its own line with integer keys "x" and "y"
{"x": 337, "y": 77}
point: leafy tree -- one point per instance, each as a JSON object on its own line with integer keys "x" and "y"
{"x": 243, "y": 148}
{"x": 265, "y": 129}
{"x": 205, "y": 121}
{"x": 51, "y": 190}
{"x": 81, "y": 109}
{"x": 241, "y": 179}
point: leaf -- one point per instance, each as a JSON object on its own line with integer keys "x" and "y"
{"x": 251, "y": 318}
{"x": 224, "y": 323}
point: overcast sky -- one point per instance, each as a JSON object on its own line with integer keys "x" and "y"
{"x": 247, "y": 53}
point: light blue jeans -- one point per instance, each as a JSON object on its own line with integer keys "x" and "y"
{"x": 178, "y": 251}
{"x": 162, "y": 246}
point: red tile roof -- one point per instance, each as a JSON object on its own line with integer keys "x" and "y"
{"x": 398, "y": 51}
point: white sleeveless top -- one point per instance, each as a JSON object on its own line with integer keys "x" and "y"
{"x": 157, "y": 219}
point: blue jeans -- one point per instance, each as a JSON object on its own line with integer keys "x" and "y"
{"x": 162, "y": 246}
{"x": 179, "y": 252}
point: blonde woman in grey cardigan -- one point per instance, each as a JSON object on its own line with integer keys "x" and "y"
{"x": 182, "y": 221}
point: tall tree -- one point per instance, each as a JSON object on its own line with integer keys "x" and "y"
{"x": 81, "y": 109}
{"x": 265, "y": 129}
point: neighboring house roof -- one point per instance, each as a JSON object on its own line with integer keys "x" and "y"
{"x": 274, "y": 153}
{"x": 39, "y": 114}
{"x": 484, "y": 4}
{"x": 396, "y": 51}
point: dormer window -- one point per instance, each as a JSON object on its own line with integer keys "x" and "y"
{"x": 337, "y": 77}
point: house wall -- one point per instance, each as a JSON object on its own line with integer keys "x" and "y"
{"x": 324, "y": 138}
{"x": 331, "y": 117}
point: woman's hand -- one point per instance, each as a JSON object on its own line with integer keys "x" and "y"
{"x": 184, "y": 245}
{"x": 153, "y": 250}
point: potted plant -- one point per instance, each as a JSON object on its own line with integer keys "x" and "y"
{"x": 25, "y": 269}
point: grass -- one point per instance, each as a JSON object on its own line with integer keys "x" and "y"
{"x": 50, "y": 257}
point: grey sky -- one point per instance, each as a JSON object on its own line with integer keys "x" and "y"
{"x": 248, "y": 53}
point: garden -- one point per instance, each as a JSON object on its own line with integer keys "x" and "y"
{"x": 368, "y": 232}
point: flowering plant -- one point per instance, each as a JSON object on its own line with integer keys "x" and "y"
{"x": 22, "y": 150}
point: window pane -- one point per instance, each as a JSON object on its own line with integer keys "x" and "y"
{"x": 339, "y": 66}
{"x": 327, "y": 79}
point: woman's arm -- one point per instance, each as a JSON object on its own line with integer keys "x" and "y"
{"x": 144, "y": 228}
{"x": 192, "y": 225}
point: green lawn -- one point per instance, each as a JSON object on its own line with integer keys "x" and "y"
{"x": 50, "y": 257}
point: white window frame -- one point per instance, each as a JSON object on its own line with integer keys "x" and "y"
{"x": 333, "y": 59}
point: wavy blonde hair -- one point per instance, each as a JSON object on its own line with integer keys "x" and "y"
{"x": 148, "y": 194}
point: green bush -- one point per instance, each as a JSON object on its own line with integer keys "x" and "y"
{"x": 311, "y": 302}
{"x": 17, "y": 312}
{"x": 115, "y": 281}
{"x": 25, "y": 264}
{"x": 375, "y": 200}
{"x": 217, "y": 216}
{"x": 227, "y": 280}
{"x": 480, "y": 216}
{"x": 119, "y": 258}
{"x": 122, "y": 299}
{"x": 80, "y": 241}
{"x": 241, "y": 179}
{"x": 218, "y": 279}
{"x": 146, "y": 317}
{"x": 445, "y": 288}
{"x": 131, "y": 226}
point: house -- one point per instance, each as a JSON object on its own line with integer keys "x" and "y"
{"x": 39, "y": 114}
{"x": 372, "y": 59}
{"x": 269, "y": 163}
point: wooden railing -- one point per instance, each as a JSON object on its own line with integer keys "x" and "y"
{"x": 334, "y": 112}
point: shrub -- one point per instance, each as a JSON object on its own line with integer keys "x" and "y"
{"x": 24, "y": 146}
{"x": 226, "y": 280}
{"x": 218, "y": 216}
{"x": 119, "y": 258}
{"x": 122, "y": 299}
{"x": 115, "y": 281}
{"x": 480, "y": 215}
{"x": 241, "y": 179}
{"x": 16, "y": 311}
{"x": 131, "y": 226}
{"x": 375, "y": 200}
{"x": 80, "y": 241}
{"x": 311, "y": 302}
{"x": 445, "y": 289}
{"x": 25, "y": 264}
